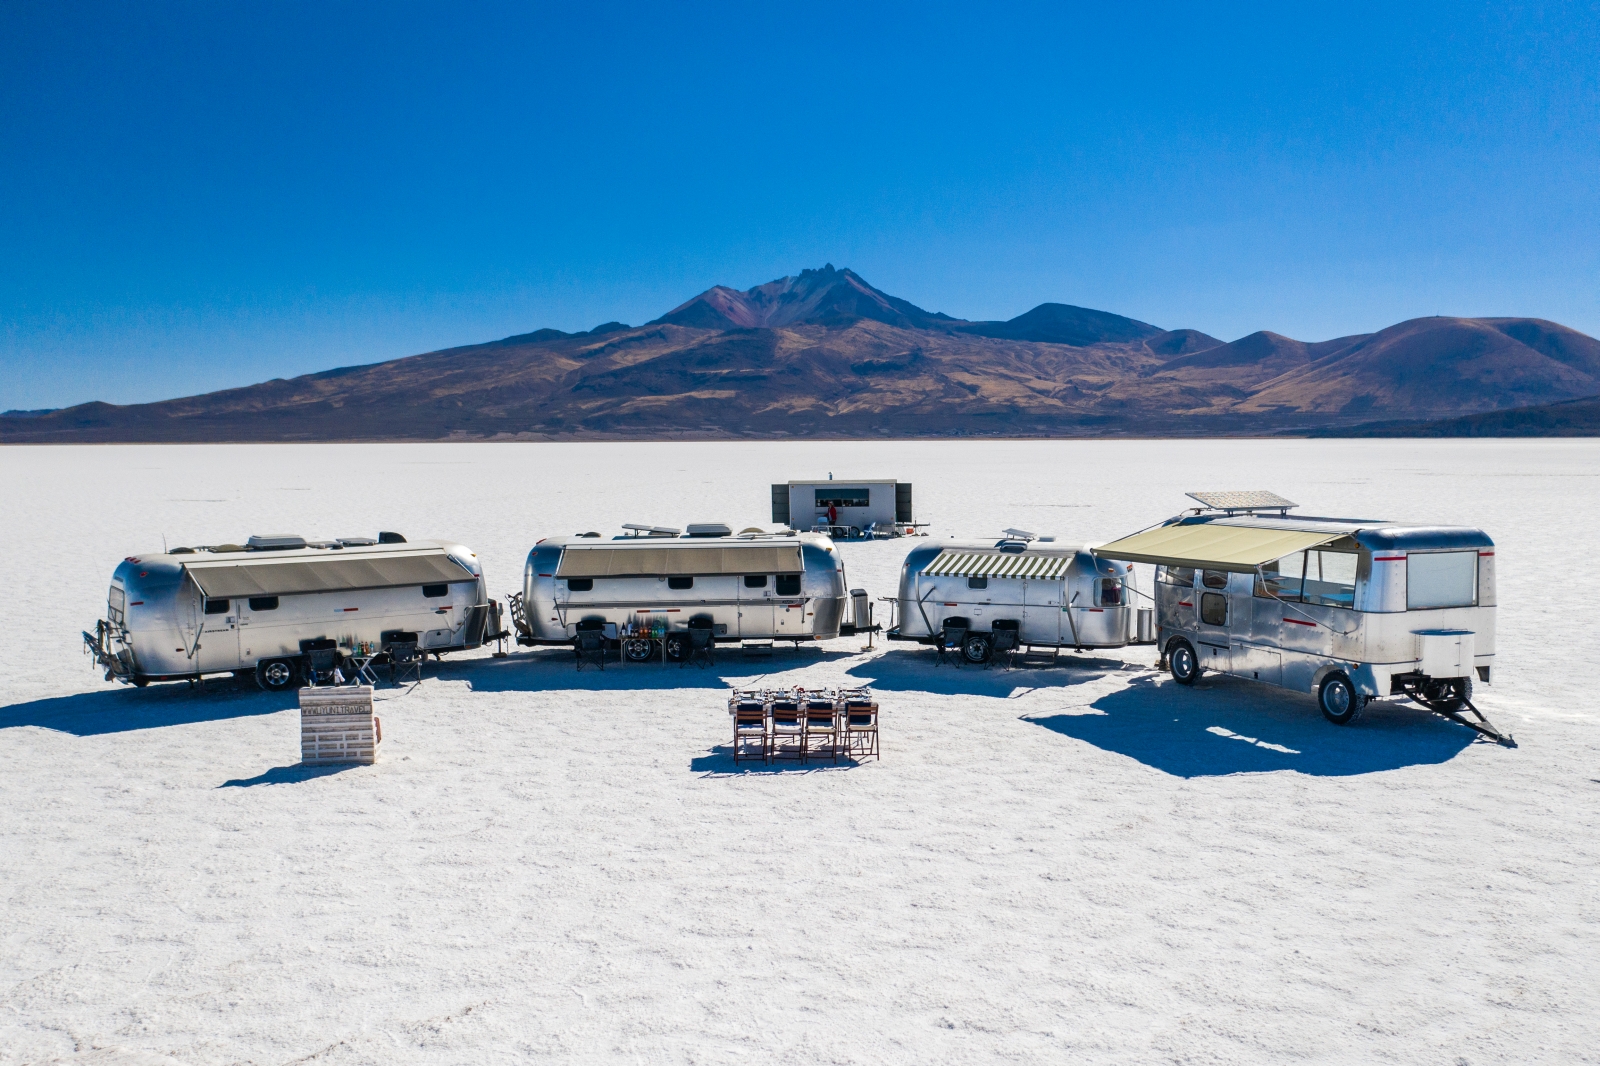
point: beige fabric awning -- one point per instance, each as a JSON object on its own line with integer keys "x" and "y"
{"x": 1212, "y": 546}
{"x": 998, "y": 564}
{"x": 339, "y": 573}
{"x": 680, "y": 559}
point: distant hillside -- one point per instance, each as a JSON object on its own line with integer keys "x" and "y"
{"x": 1571, "y": 418}
{"x": 823, "y": 354}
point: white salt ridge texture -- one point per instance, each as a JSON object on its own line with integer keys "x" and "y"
{"x": 1086, "y": 864}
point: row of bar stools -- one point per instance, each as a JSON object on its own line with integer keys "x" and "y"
{"x": 800, "y": 725}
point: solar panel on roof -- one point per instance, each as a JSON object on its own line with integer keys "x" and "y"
{"x": 1242, "y": 500}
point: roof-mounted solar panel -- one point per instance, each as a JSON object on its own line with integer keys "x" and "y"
{"x": 1247, "y": 500}
{"x": 640, "y": 530}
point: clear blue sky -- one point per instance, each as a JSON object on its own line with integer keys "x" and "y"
{"x": 194, "y": 196}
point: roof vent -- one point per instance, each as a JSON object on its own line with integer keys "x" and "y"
{"x": 1242, "y": 500}
{"x": 710, "y": 529}
{"x": 390, "y": 538}
{"x": 274, "y": 542}
{"x": 357, "y": 542}
{"x": 637, "y": 530}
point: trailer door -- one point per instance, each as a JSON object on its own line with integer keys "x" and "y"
{"x": 755, "y": 606}
{"x": 219, "y": 636}
{"x": 1214, "y": 618}
{"x": 1041, "y": 610}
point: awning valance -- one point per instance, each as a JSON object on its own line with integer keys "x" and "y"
{"x": 680, "y": 559}
{"x": 998, "y": 564}
{"x": 1212, "y": 546}
{"x": 340, "y": 573}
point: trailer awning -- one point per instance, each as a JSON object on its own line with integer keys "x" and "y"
{"x": 341, "y": 573}
{"x": 686, "y": 559}
{"x": 1212, "y": 546}
{"x": 998, "y": 564}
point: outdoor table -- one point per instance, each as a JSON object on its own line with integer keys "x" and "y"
{"x": 362, "y": 658}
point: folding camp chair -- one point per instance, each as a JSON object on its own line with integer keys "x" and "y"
{"x": 787, "y": 728}
{"x": 951, "y": 637}
{"x": 1003, "y": 641}
{"x": 701, "y": 632}
{"x": 822, "y": 726}
{"x": 859, "y": 718}
{"x": 405, "y": 659}
{"x": 750, "y": 736}
{"x": 589, "y": 646}
{"x": 322, "y": 661}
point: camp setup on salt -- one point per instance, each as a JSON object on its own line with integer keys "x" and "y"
{"x": 276, "y": 604}
{"x": 648, "y": 588}
{"x": 976, "y": 597}
{"x": 870, "y": 509}
{"x": 1348, "y": 609}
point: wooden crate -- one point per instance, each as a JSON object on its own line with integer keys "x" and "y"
{"x": 337, "y": 726}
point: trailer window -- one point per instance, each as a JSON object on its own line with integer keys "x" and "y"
{"x": 1214, "y": 579}
{"x": 680, "y": 582}
{"x": 116, "y": 606}
{"x": 1282, "y": 577}
{"x": 1441, "y": 579}
{"x": 263, "y": 603}
{"x": 1176, "y": 575}
{"x": 842, "y": 497}
{"x": 1214, "y": 609}
{"x": 216, "y": 607}
{"x": 977, "y": 582}
{"x": 1330, "y": 579}
{"x": 580, "y": 584}
{"x": 1111, "y": 592}
{"x": 433, "y": 592}
{"x": 755, "y": 581}
{"x": 788, "y": 584}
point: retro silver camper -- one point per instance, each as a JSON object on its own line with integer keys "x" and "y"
{"x": 752, "y": 585}
{"x": 1053, "y": 594}
{"x": 260, "y": 606}
{"x": 1347, "y": 609}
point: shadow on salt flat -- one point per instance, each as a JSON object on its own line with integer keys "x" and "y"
{"x": 92, "y": 714}
{"x": 914, "y": 671}
{"x": 288, "y": 775}
{"x": 718, "y": 762}
{"x": 1232, "y": 727}
{"x": 553, "y": 670}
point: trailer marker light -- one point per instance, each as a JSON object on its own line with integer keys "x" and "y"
{"x": 547, "y": 575}
{"x": 1486, "y": 555}
{"x": 136, "y": 603}
{"x": 1185, "y": 603}
{"x": 1388, "y": 558}
{"x": 1298, "y": 622}
{"x": 349, "y": 609}
{"x": 952, "y": 605}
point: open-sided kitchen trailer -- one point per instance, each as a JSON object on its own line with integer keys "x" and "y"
{"x": 1054, "y": 594}
{"x": 185, "y": 613}
{"x": 1347, "y": 609}
{"x": 754, "y": 585}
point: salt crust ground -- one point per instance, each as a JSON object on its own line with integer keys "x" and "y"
{"x": 1074, "y": 865}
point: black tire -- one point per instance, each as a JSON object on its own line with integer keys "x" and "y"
{"x": 676, "y": 647}
{"x": 140, "y": 681}
{"x": 1340, "y": 702}
{"x": 1183, "y": 662}
{"x": 977, "y": 648}
{"x": 638, "y": 651}
{"x": 277, "y": 675}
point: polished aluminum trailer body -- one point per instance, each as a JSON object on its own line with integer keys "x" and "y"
{"x": 762, "y": 586}
{"x": 183, "y": 615}
{"x": 1390, "y": 608}
{"x": 1057, "y": 595}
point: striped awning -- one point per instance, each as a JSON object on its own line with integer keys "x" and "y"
{"x": 998, "y": 564}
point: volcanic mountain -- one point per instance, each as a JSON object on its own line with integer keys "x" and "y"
{"x": 825, "y": 354}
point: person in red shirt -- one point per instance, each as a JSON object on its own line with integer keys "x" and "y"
{"x": 833, "y": 515}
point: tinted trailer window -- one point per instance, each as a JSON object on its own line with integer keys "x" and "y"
{"x": 1441, "y": 579}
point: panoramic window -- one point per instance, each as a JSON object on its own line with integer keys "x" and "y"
{"x": 1330, "y": 578}
{"x": 263, "y": 603}
{"x": 755, "y": 581}
{"x": 680, "y": 582}
{"x": 1176, "y": 575}
{"x": 1282, "y": 577}
{"x": 788, "y": 584}
{"x": 1441, "y": 579}
{"x": 580, "y": 584}
{"x": 1214, "y": 579}
{"x": 433, "y": 592}
{"x": 216, "y": 607}
{"x": 842, "y": 497}
{"x": 1111, "y": 592}
{"x": 977, "y": 582}
{"x": 1214, "y": 609}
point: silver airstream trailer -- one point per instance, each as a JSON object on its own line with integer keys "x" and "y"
{"x": 754, "y": 585}
{"x": 260, "y": 606}
{"x": 1347, "y": 609}
{"x": 1054, "y": 594}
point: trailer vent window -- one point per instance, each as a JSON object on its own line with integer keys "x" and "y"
{"x": 1441, "y": 579}
{"x": 1214, "y": 609}
{"x": 1214, "y": 579}
{"x": 1176, "y": 575}
{"x": 1111, "y": 592}
{"x": 755, "y": 581}
{"x": 216, "y": 607}
{"x": 1330, "y": 578}
{"x": 680, "y": 582}
{"x": 263, "y": 603}
{"x": 788, "y": 584}
{"x": 433, "y": 592}
{"x": 977, "y": 582}
{"x": 580, "y": 584}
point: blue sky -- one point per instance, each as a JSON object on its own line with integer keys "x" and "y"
{"x": 195, "y": 196}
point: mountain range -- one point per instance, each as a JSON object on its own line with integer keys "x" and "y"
{"x": 825, "y": 354}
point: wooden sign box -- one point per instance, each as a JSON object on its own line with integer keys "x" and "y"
{"x": 337, "y": 726}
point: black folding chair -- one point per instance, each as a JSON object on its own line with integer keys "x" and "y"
{"x": 590, "y": 643}
{"x": 951, "y": 637}
{"x": 701, "y": 631}
{"x": 322, "y": 660}
{"x": 1003, "y": 641}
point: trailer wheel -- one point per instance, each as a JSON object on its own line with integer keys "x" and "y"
{"x": 140, "y": 681}
{"x": 638, "y": 651}
{"x": 1340, "y": 702}
{"x": 675, "y": 648}
{"x": 276, "y": 675}
{"x": 977, "y": 648}
{"x": 1183, "y": 662}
